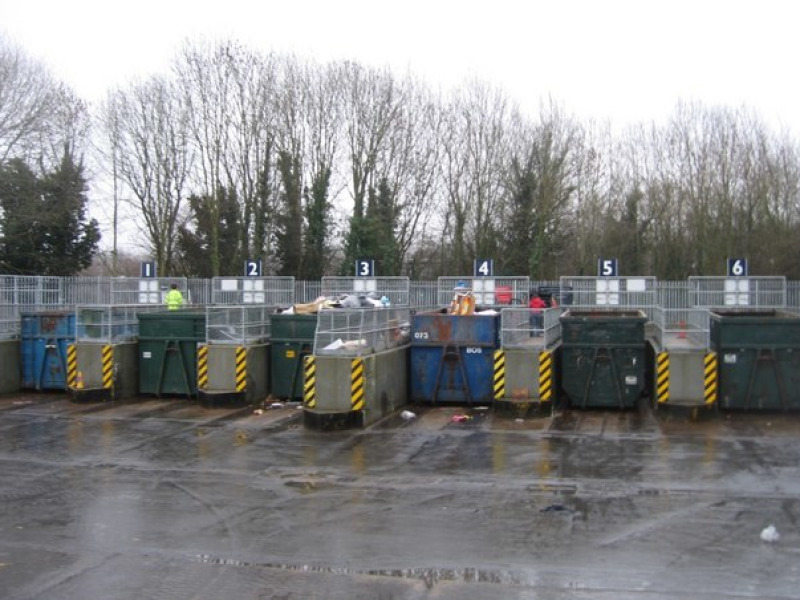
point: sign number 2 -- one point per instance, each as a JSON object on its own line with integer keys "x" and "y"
{"x": 252, "y": 268}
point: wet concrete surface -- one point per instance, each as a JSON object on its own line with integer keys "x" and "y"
{"x": 165, "y": 499}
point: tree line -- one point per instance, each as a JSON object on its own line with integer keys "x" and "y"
{"x": 236, "y": 154}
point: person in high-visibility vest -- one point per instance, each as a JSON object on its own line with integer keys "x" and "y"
{"x": 174, "y": 298}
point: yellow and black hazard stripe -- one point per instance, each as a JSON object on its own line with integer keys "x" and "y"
{"x": 241, "y": 368}
{"x": 662, "y": 377}
{"x": 108, "y": 366}
{"x": 499, "y": 374}
{"x": 310, "y": 381}
{"x": 710, "y": 377}
{"x": 202, "y": 367}
{"x": 357, "y": 384}
{"x": 545, "y": 376}
{"x": 72, "y": 365}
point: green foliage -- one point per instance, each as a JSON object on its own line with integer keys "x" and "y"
{"x": 373, "y": 236}
{"x": 289, "y": 221}
{"x": 44, "y": 226}
{"x": 316, "y": 252}
{"x": 208, "y": 245}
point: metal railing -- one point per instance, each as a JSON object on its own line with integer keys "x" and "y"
{"x": 361, "y": 331}
{"x": 9, "y": 322}
{"x": 23, "y": 292}
{"x": 488, "y": 291}
{"x": 242, "y": 325}
{"x": 109, "y": 324}
{"x": 738, "y": 292}
{"x": 679, "y": 327}
{"x": 394, "y": 288}
{"x": 272, "y": 291}
{"x": 523, "y": 328}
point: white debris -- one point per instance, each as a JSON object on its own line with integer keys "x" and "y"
{"x": 770, "y": 534}
{"x": 407, "y": 415}
{"x": 258, "y": 411}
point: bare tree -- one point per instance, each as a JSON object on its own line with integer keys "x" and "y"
{"x": 372, "y": 102}
{"x": 147, "y": 127}
{"x": 40, "y": 118}
{"x": 411, "y": 159}
{"x": 229, "y": 92}
{"x": 538, "y": 188}
{"x": 322, "y": 110}
{"x": 475, "y": 150}
{"x": 593, "y": 164}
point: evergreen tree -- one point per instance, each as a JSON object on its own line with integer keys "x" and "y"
{"x": 316, "y": 253}
{"x": 522, "y": 255}
{"x": 213, "y": 230}
{"x": 289, "y": 223}
{"x": 44, "y": 224}
{"x": 373, "y": 236}
{"x": 20, "y": 200}
{"x": 69, "y": 240}
{"x": 383, "y": 218}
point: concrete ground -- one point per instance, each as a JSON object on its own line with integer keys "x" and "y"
{"x": 164, "y": 499}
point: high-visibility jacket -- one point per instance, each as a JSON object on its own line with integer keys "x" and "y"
{"x": 174, "y": 299}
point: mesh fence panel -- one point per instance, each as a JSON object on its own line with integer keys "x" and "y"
{"x": 394, "y": 288}
{"x": 272, "y": 291}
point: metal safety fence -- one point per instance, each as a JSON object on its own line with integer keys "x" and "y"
{"x": 273, "y": 291}
{"x": 523, "y": 328}
{"x": 361, "y": 331}
{"x": 23, "y": 293}
{"x": 394, "y": 289}
{"x": 681, "y": 327}
{"x": 488, "y": 291}
{"x": 244, "y": 325}
{"x": 109, "y": 324}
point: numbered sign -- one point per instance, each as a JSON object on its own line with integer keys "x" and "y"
{"x": 252, "y": 268}
{"x": 607, "y": 267}
{"x": 365, "y": 268}
{"x": 737, "y": 267}
{"x": 484, "y": 267}
{"x": 148, "y": 269}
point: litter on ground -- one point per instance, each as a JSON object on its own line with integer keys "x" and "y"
{"x": 770, "y": 534}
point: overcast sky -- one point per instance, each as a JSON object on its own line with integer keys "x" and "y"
{"x": 626, "y": 61}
